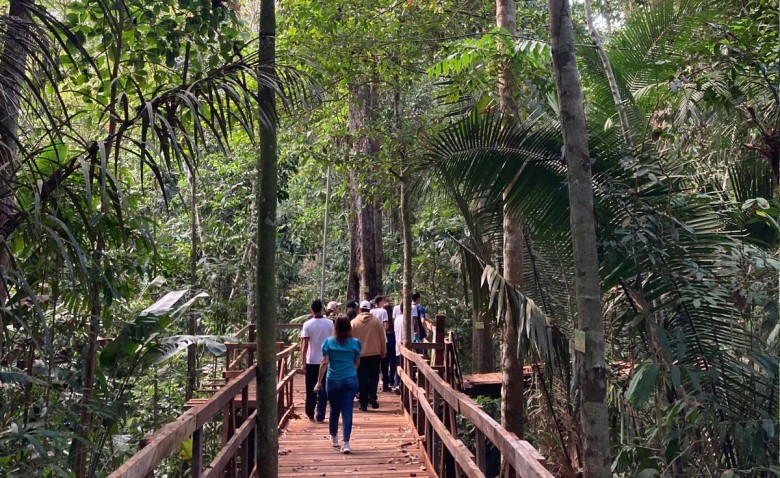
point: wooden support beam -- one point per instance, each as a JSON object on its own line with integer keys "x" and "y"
{"x": 229, "y": 450}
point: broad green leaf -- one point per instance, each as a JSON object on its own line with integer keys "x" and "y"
{"x": 642, "y": 384}
{"x": 165, "y": 304}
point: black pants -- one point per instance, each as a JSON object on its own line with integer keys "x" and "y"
{"x": 388, "y": 371}
{"x": 318, "y": 399}
{"x": 368, "y": 375}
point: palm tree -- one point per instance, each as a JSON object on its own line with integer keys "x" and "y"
{"x": 668, "y": 244}
{"x": 82, "y": 110}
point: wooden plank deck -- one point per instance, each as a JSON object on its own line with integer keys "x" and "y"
{"x": 383, "y": 444}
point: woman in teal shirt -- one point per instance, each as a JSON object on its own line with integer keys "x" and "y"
{"x": 340, "y": 357}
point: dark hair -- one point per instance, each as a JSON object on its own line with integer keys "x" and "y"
{"x": 352, "y": 313}
{"x": 416, "y": 296}
{"x": 351, "y": 304}
{"x": 316, "y": 306}
{"x": 343, "y": 329}
{"x": 378, "y": 300}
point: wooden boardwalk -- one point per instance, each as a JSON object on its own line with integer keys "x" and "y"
{"x": 383, "y": 444}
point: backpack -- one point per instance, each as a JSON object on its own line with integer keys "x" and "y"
{"x": 422, "y": 332}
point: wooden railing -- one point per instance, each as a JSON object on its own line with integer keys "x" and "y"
{"x": 236, "y": 456}
{"x": 155, "y": 448}
{"x": 433, "y": 405}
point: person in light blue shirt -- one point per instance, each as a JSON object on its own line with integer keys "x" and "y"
{"x": 340, "y": 358}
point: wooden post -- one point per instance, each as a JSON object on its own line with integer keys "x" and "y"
{"x": 141, "y": 445}
{"x": 245, "y": 443}
{"x": 197, "y": 453}
{"x": 437, "y": 356}
{"x": 481, "y": 455}
{"x": 420, "y": 413}
{"x": 454, "y": 432}
{"x": 252, "y": 339}
{"x": 439, "y": 448}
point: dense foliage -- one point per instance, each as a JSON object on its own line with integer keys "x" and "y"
{"x": 126, "y": 209}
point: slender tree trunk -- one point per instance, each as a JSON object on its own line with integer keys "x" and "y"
{"x": 483, "y": 317}
{"x": 354, "y": 272}
{"x": 13, "y": 67}
{"x": 513, "y": 385}
{"x": 406, "y": 226}
{"x": 192, "y": 350}
{"x": 85, "y": 425}
{"x": 590, "y": 363}
{"x": 96, "y": 305}
{"x": 325, "y": 226}
{"x": 481, "y": 321}
{"x": 378, "y": 248}
{"x": 265, "y": 285}
{"x": 625, "y": 129}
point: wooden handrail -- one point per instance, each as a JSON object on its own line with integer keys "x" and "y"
{"x": 162, "y": 443}
{"x": 518, "y": 454}
{"x": 238, "y": 360}
{"x": 245, "y": 330}
{"x": 253, "y": 346}
{"x": 288, "y": 351}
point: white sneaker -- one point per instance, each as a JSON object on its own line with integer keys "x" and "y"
{"x": 334, "y": 440}
{"x": 345, "y": 448}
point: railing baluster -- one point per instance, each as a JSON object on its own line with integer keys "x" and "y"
{"x": 481, "y": 455}
{"x": 453, "y": 427}
{"x": 252, "y": 339}
{"x": 244, "y": 444}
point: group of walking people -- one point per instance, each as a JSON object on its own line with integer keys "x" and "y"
{"x": 344, "y": 354}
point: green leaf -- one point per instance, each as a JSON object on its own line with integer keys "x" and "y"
{"x": 13, "y": 375}
{"x": 165, "y": 304}
{"x": 642, "y": 385}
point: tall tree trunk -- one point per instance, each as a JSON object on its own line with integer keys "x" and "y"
{"x": 625, "y": 129}
{"x": 590, "y": 363}
{"x": 13, "y": 66}
{"x": 265, "y": 285}
{"x": 513, "y": 386}
{"x": 368, "y": 271}
{"x": 365, "y": 256}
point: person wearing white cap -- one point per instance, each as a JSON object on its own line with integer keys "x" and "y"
{"x": 333, "y": 309}
{"x": 371, "y": 333}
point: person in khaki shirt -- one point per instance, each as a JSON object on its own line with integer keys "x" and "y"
{"x": 371, "y": 333}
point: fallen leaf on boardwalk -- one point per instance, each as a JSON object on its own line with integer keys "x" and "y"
{"x": 412, "y": 474}
{"x": 423, "y": 468}
{"x": 284, "y": 452}
{"x": 392, "y": 468}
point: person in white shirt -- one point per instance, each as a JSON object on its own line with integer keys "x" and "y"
{"x": 398, "y": 327}
{"x": 313, "y": 334}
{"x": 379, "y": 311}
